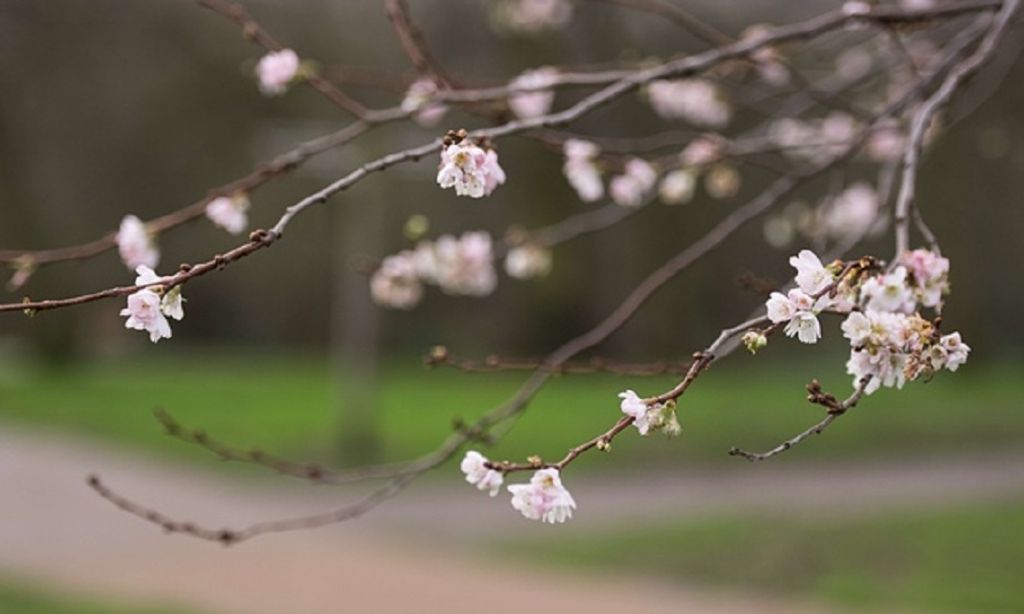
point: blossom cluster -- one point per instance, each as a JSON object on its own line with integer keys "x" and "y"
{"x": 633, "y": 186}
{"x": 698, "y": 101}
{"x": 542, "y": 498}
{"x": 530, "y": 16}
{"x": 581, "y": 169}
{"x": 850, "y": 214}
{"x": 891, "y": 343}
{"x": 469, "y": 168}
{"x": 538, "y": 99}
{"x": 461, "y": 266}
{"x": 636, "y": 181}
{"x": 149, "y": 307}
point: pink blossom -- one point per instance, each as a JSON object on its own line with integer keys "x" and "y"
{"x": 544, "y": 498}
{"x": 149, "y": 308}
{"x": 135, "y": 245}
{"x": 853, "y": 212}
{"x": 699, "y": 101}
{"x": 630, "y": 188}
{"x": 535, "y": 103}
{"x": 531, "y": 16}
{"x": 419, "y": 101}
{"x": 231, "y": 214}
{"x": 470, "y": 170}
{"x": 702, "y": 150}
{"x": 929, "y": 272}
{"x": 276, "y": 70}
{"x": 474, "y": 465}
{"x": 395, "y": 283}
{"x": 581, "y": 171}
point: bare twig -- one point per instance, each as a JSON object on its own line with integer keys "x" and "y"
{"x": 927, "y": 112}
{"x": 834, "y": 409}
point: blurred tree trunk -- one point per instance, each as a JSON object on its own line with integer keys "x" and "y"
{"x": 354, "y": 328}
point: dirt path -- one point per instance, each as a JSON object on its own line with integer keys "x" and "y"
{"x": 404, "y": 557}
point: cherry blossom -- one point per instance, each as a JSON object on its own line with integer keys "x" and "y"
{"x": 811, "y": 275}
{"x": 276, "y": 70}
{"x": 698, "y": 101}
{"x": 419, "y": 101}
{"x": 396, "y": 283}
{"x": 799, "y": 311}
{"x": 930, "y": 274}
{"x": 465, "y": 265}
{"x": 581, "y": 171}
{"x": 135, "y": 245}
{"x": 649, "y": 417}
{"x": 630, "y": 188}
{"x": 544, "y": 498}
{"x": 531, "y": 16}
{"x": 722, "y": 181}
{"x": 528, "y": 261}
{"x": 230, "y": 213}
{"x": 852, "y": 213}
{"x": 889, "y": 292}
{"x": 533, "y": 103}
{"x": 677, "y": 187}
{"x": 474, "y": 465}
{"x": 702, "y": 150}
{"x": 149, "y": 308}
{"x": 470, "y": 169}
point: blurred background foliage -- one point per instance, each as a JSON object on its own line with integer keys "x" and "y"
{"x": 93, "y": 134}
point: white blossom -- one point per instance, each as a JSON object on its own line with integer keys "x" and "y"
{"x": 528, "y": 261}
{"x": 889, "y": 292}
{"x": 470, "y": 170}
{"x": 147, "y": 310}
{"x": 135, "y": 245}
{"x": 630, "y": 188}
{"x": 581, "y": 171}
{"x": 419, "y": 101}
{"x": 276, "y": 70}
{"x": 474, "y": 465}
{"x": 649, "y": 417}
{"x": 956, "y": 351}
{"x": 530, "y": 104}
{"x": 230, "y": 213}
{"x": 699, "y": 101}
{"x": 677, "y": 187}
{"x": 396, "y": 282}
{"x": 531, "y": 16}
{"x": 811, "y": 275}
{"x": 465, "y": 265}
{"x": 853, "y": 212}
{"x": 544, "y": 498}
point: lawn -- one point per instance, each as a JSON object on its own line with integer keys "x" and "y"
{"x": 952, "y": 560}
{"x": 284, "y": 404}
{"x": 20, "y": 598}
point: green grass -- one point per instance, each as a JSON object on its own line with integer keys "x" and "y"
{"x": 287, "y": 405}
{"x": 960, "y": 560}
{"x": 20, "y": 598}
